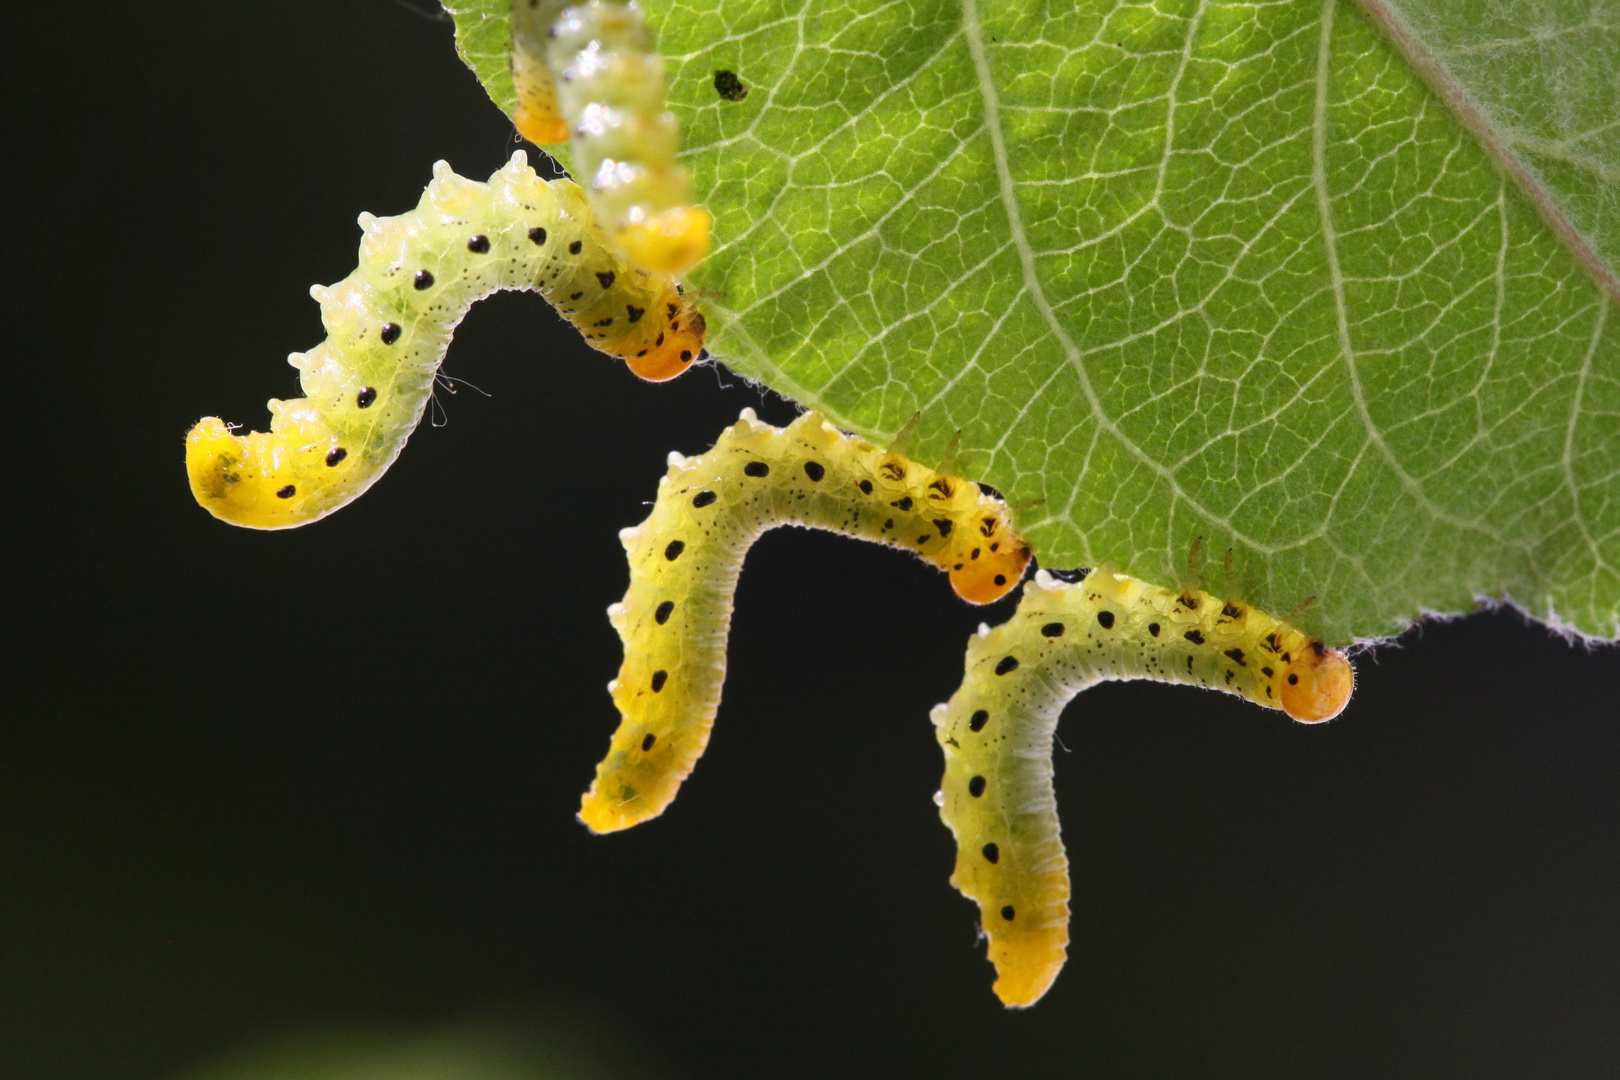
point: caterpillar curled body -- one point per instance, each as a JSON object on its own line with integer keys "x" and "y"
{"x": 997, "y": 732}
{"x": 592, "y": 69}
{"x": 685, "y": 558}
{"x": 389, "y": 323}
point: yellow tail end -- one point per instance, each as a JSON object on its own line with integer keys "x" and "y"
{"x": 670, "y": 242}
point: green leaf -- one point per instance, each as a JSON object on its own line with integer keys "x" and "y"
{"x": 1228, "y": 271}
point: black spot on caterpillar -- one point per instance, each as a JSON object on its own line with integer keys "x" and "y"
{"x": 685, "y": 559}
{"x": 998, "y": 777}
{"x": 728, "y": 86}
{"x": 389, "y": 323}
{"x": 591, "y": 69}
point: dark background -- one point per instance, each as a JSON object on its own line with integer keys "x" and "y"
{"x": 254, "y": 783}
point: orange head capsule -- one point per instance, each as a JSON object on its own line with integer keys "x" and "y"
{"x": 1317, "y": 685}
{"x": 677, "y": 347}
{"x": 984, "y": 569}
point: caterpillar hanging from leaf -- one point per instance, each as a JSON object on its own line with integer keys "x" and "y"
{"x": 592, "y": 70}
{"x": 685, "y": 559}
{"x": 389, "y": 323}
{"x": 997, "y": 732}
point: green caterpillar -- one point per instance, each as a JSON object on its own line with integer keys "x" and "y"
{"x": 389, "y": 323}
{"x": 685, "y": 558}
{"x": 592, "y": 68}
{"x": 997, "y": 732}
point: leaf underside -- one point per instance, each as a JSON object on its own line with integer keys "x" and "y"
{"x": 1178, "y": 270}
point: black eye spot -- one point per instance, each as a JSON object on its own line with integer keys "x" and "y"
{"x": 289, "y": 491}
{"x": 658, "y": 680}
{"x": 1001, "y": 579}
{"x": 1293, "y": 680}
{"x": 336, "y": 456}
{"x": 866, "y": 487}
{"x": 605, "y": 277}
{"x": 1009, "y": 913}
{"x": 728, "y": 86}
{"x": 976, "y": 786}
{"x": 1006, "y": 664}
{"x": 1053, "y": 629}
{"x": 537, "y": 235}
{"x": 390, "y": 333}
{"x": 814, "y": 471}
{"x": 423, "y": 280}
{"x": 1105, "y": 619}
{"x": 661, "y": 616}
{"x": 674, "y": 549}
{"x": 703, "y": 498}
{"x": 992, "y": 853}
{"x": 1153, "y": 628}
{"x": 647, "y": 742}
{"x": 576, "y": 247}
{"x": 478, "y": 245}
{"x": 1194, "y": 636}
{"x": 365, "y": 397}
{"x": 757, "y": 468}
{"x": 977, "y": 721}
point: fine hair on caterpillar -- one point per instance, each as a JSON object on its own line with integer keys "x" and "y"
{"x": 1071, "y": 632}
{"x": 389, "y": 324}
{"x": 589, "y": 71}
{"x": 686, "y": 556}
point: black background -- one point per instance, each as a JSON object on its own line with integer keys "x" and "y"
{"x": 253, "y": 783}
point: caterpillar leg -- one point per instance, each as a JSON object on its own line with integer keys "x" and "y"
{"x": 996, "y": 732}
{"x": 389, "y": 324}
{"x": 685, "y": 559}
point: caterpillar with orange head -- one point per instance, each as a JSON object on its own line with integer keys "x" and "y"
{"x": 685, "y": 559}
{"x": 997, "y": 732}
{"x": 591, "y": 70}
{"x": 389, "y": 323}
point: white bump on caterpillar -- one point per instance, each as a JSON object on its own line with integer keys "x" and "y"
{"x": 676, "y": 459}
{"x": 997, "y": 731}
{"x": 389, "y": 323}
{"x": 686, "y": 557}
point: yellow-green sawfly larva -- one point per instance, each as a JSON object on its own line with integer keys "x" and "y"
{"x": 685, "y": 558}
{"x": 389, "y": 323}
{"x": 591, "y": 70}
{"x": 997, "y": 732}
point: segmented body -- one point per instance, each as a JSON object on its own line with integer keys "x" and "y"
{"x": 685, "y": 558}
{"x": 607, "y": 91}
{"x": 997, "y": 732}
{"x": 389, "y": 324}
